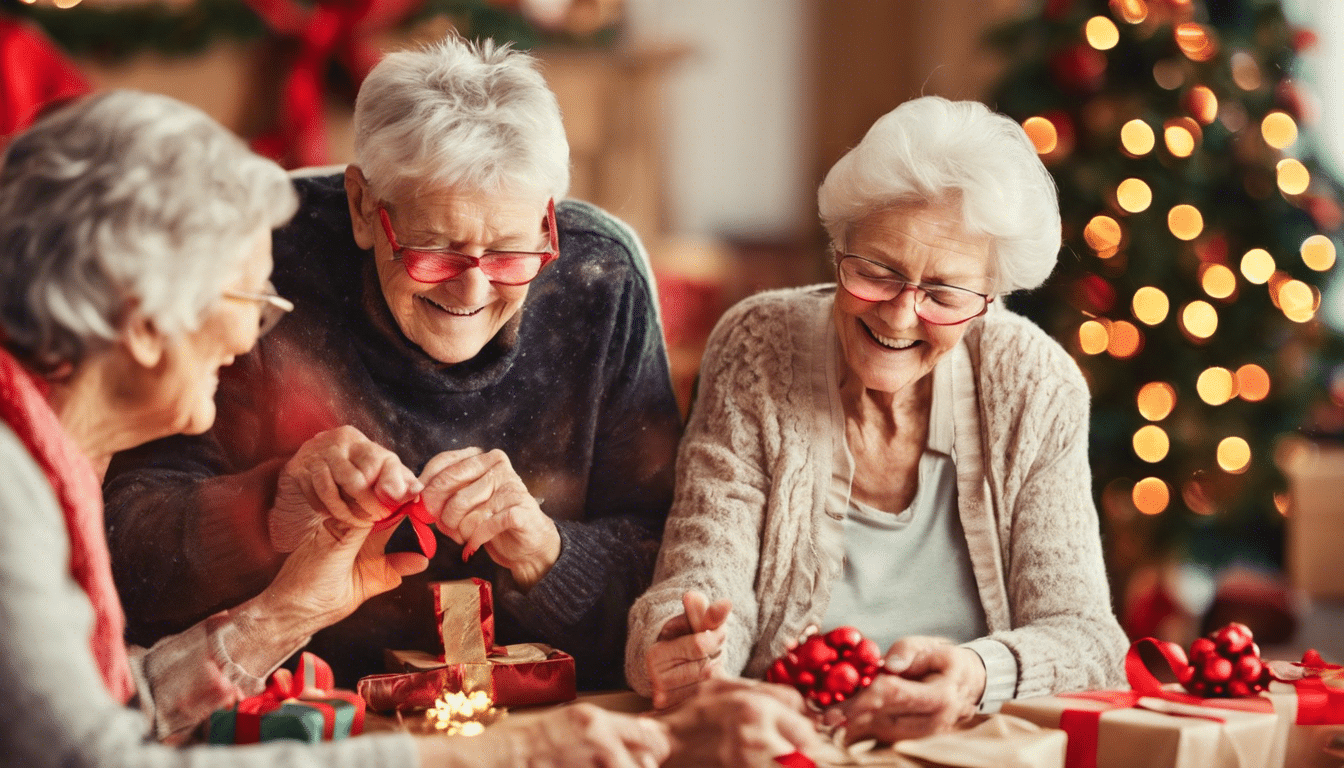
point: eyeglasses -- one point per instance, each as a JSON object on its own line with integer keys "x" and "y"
{"x": 935, "y": 304}
{"x": 439, "y": 265}
{"x": 273, "y": 306}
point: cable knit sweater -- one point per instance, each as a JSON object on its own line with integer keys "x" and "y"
{"x": 749, "y": 519}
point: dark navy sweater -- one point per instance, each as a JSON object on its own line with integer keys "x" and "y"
{"x": 575, "y": 390}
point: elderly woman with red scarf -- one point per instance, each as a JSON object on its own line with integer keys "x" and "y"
{"x": 135, "y": 257}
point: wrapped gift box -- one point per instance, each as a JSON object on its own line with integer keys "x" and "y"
{"x": 305, "y": 707}
{"x": 513, "y": 675}
{"x": 1312, "y": 704}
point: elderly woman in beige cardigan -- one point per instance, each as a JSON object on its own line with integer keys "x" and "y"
{"x": 897, "y": 453}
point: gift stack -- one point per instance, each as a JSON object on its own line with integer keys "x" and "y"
{"x": 512, "y": 675}
{"x": 305, "y": 706}
{"x": 1235, "y": 711}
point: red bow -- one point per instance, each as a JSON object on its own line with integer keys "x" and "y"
{"x": 329, "y": 28}
{"x": 313, "y": 681}
{"x": 421, "y": 520}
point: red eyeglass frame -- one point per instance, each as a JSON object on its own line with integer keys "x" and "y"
{"x": 412, "y": 258}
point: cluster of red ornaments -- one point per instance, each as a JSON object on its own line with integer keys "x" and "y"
{"x": 1225, "y": 663}
{"x": 829, "y": 668}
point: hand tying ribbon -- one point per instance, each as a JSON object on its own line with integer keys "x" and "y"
{"x": 421, "y": 520}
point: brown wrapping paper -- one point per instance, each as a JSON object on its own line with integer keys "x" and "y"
{"x": 1137, "y": 737}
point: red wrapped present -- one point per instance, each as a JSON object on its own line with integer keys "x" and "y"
{"x": 305, "y": 707}
{"x": 1309, "y": 695}
{"x": 513, "y": 675}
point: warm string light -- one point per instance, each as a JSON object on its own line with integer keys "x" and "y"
{"x": 1252, "y": 383}
{"x": 1134, "y": 195}
{"x": 1298, "y": 301}
{"x": 1202, "y": 103}
{"x": 1293, "y": 177}
{"x": 1103, "y": 235}
{"x": 1151, "y": 443}
{"x": 1278, "y": 130}
{"x": 463, "y": 714}
{"x": 1199, "y": 319}
{"x": 1125, "y": 341}
{"x": 1150, "y": 305}
{"x": 1185, "y": 222}
{"x": 1257, "y": 266}
{"x": 1136, "y": 138}
{"x": 1216, "y": 386}
{"x": 1156, "y": 400}
{"x": 1093, "y": 338}
{"x": 1234, "y": 455}
{"x": 1218, "y": 281}
{"x": 1042, "y": 134}
{"x": 1245, "y": 71}
{"x": 1318, "y": 253}
{"x": 1196, "y": 41}
{"x": 1169, "y": 74}
{"x": 1101, "y": 33}
{"x": 1151, "y": 495}
{"x": 1181, "y": 135}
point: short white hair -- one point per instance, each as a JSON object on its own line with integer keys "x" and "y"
{"x": 930, "y": 149}
{"x": 456, "y": 114}
{"x": 118, "y": 202}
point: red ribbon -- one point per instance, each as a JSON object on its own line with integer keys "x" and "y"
{"x": 329, "y": 29}
{"x": 313, "y": 683}
{"x": 1317, "y": 702}
{"x": 795, "y": 759}
{"x": 421, "y": 520}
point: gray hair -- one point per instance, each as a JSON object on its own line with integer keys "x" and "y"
{"x": 460, "y": 114}
{"x": 931, "y": 148}
{"x": 119, "y": 201}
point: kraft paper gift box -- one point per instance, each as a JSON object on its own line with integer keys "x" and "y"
{"x": 304, "y": 707}
{"x": 513, "y": 675}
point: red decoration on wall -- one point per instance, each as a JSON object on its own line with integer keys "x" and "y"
{"x": 330, "y": 29}
{"x": 33, "y": 75}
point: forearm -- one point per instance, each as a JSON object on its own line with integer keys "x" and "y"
{"x": 184, "y": 545}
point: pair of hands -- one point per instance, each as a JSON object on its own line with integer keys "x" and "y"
{"x": 726, "y": 723}
{"x": 339, "y": 484}
{"x": 934, "y": 684}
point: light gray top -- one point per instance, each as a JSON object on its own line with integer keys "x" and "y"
{"x": 57, "y": 712}
{"x": 749, "y": 520}
{"x": 909, "y": 572}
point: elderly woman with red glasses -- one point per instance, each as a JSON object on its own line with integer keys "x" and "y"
{"x": 898, "y": 453}
{"x": 462, "y": 334}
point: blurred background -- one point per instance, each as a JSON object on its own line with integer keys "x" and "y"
{"x": 1196, "y": 143}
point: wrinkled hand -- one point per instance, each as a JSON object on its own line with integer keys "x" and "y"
{"x": 577, "y": 736}
{"x": 335, "y": 569}
{"x": 739, "y": 723}
{"x": 689, "y": 650}
{"x": 338, "y": 474}
{"x": 480, "y": 501}
{"x": 936, "y": 685}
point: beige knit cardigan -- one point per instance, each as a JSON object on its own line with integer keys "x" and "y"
{"x": 749, "y": 520}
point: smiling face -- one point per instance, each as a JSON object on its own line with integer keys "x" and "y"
{"x": 184, "y": 390}
{"x": 453, "y": 320}
{"x": 885, "y": 344}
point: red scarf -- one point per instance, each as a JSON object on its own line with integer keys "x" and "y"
{"x": 24, "y": 407}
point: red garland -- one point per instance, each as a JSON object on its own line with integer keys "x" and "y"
{"x": 329, "y": 29}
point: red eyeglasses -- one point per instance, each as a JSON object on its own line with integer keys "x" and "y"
{"x": 439, "y": 265}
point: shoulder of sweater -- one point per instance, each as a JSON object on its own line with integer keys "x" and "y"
{"x": 1015, "y": 357}
{"x": 779, "y": 303}
{"x": 577, "y": 217}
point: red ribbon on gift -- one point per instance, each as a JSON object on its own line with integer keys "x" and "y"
{"x": 313, "y": 682}
{"x": 1082, "y": 726}
{"x": 1317, "y": 702}
{"x": 421, "y": 520}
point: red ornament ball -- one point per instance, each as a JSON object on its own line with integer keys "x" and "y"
{"x": 828, "y": 669}
{"x": 1225, "y": 663}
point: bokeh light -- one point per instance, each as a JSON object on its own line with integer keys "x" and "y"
{"x": 1297, "y": 300}
{"x": 1134, "y": 195}
{"x": 1202, "y": 103}
{"x": 1196, "y": 41}
{"x": 1093, "y": 338}
{"x": 1283, "y": 502}
{"x": 1101, "y": 33}
{"x": 1180, "y": 141}
{"x": 1137, "y": 138}
{"x": 1318, "y": 252}
{"x": 1218, "y": 281}
{"x": 1216, "y": 385}
{"x": 1125, "y": 341}
{"x": 1150, "y": 305}
{"x": 1245, "y": 71}
{"x": 1293, "y": 176}
{"x": 1151, "y": 495}
{"x": 1192, "y": 493}
{"x": 1252, "y": 383}
{"x": 1130, "y": 11}
{"x": 1257, "y": 266}
{"x": 1156, "y": 400}
{"x": 1169, "y": 74}
{"x": 1151, "y": 443}
{"x": 1199, "y": 319}
{"x": 1042, "y": 134}
{"x": 1279, "y": 130}
{"x": 1185, "y": 222}
{"x": 1102, "y": 233}
{"x": 1234, "y": 455}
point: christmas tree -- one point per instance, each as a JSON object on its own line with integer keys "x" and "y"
{"x": 1199, "y": 234}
